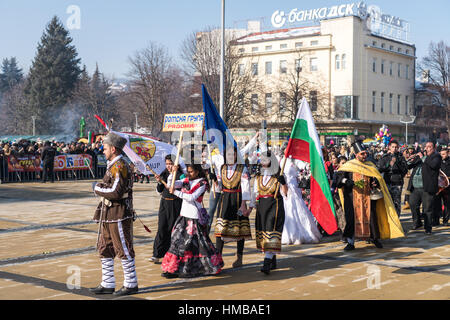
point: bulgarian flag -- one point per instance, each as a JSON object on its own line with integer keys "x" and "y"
{"x": 304, "y": 145}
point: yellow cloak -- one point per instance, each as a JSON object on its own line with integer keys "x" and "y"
{"x": 388, "y": 222}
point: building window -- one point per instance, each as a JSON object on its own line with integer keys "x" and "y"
{"x": 407, "y": 51}
{"x": 382, "y": 102}
{"x": 382, "y": 66}
{"x": 268, "y": 48}
{"x": 269, "y": 67}
{"x": 282, "y": 102}
{"x": 399, "y": 73}
{"x": 337, "y": 62}
{"x": 283, "y": 66}
{"x": 343, "y": 61}
{"x": 241, "y": 101}
{"x": 283, "y": 46}
{"x": 241, "y": 69}
{"x": 399, "y": 49}
{"x": 374, "y": 101}
{"x": 406, "y": 105}
{"x": 298, "y": 65}
{"x": 299, "y": 44}
{"x": 313, "y": 100}
{"x": 374, "y": 64}
{"x": 254, "y": 49}
{"x": 391, "y": 68}
{"x": 374, "y": 43}
{"x": 254, "y": 69}
{"x": 407, "y": 72}
{"x": 346, "y": 107}
{"x": 254, "y": 102}
{"x": 398, "y": 103}
{"x": 383, "y": 45}
{"x": 391, "y": 48}
{"x": 313, "y": 64}
{"x": 241, "y": 50}
{"x": 314, "y": 43}
{"x": 391, "y": 97}
{"x": 268, "y": 103}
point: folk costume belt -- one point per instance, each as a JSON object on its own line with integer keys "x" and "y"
{"x": 231, "y": 190}
{"x": 108, "y": 203}
{"x": 267, "y": 196}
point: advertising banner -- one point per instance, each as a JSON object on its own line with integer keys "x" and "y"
{"x": 32, "y": 163}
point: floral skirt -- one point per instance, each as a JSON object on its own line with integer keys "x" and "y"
{"x": 191, "y": 251}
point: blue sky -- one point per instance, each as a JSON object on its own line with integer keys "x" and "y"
{"x": 112, "y": 30}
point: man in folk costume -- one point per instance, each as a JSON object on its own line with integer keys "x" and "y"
{"x": 232, "y": 222}
{"x": 115, "y": 214}
{"x": 369, "y": 211}
{"x": 270, "y": 212}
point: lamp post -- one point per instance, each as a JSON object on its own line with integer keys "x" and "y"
{"x": 136, "y": 127}
{"x": 34, "y": 124}
{"x": 222, "y": 61}
{"x": 408, "y": 120}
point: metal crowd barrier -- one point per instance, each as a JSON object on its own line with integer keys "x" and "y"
{"x": 6, "y": 177}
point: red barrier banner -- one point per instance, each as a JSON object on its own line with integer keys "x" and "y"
{"x": 25, "y": 163}
{"x": 31, "y": 163}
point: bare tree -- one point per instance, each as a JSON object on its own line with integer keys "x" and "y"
{"x": 201, "y": 55}
{"x": 16, "y": 111}
{"x": 152, "y": 82}
{"x": 436, "y": 66}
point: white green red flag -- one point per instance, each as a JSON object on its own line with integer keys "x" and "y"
{"x": 304, "y": 145}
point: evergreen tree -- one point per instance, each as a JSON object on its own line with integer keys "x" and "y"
{"x": 53, "y": 75}
{"x": 10, "y": 74}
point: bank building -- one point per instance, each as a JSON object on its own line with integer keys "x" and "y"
{"x": 353, "y": 63}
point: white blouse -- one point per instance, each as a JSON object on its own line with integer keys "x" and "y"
{"x": 190, "y": 206}
{"x": 245, "y": 181}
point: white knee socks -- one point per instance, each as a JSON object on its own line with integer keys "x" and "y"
{"x": 108, "y": 279}
{"x": 129, "y": 272}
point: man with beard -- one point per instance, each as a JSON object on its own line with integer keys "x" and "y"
{"x": 369, "y": 211}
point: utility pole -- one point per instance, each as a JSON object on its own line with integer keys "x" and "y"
{"x": 136, "y": 126}
{"x": 34, "y": 124}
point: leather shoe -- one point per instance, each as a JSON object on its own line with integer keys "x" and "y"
{"x": 124, "y": 291}
{"x": 428, "y": 232}
{"x": 101, "y": 290}
{"x": 349, "y": 247}
{"x": 169, "y": 275}
{"x": 377, "y": 243}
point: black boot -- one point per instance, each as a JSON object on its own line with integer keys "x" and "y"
{"x": 273, "y": 265}
{"x": 101, "y": 290}
{"x": 266, "y": 266}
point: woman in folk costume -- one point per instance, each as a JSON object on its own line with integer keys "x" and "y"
{"x": 232, "y": 222}
{"x": 300, "y": 225}
{"x": 269, "y": 209}
{"x": 369, "y": 211}
{"x": 191, "y": 251}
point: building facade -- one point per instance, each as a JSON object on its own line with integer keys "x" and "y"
{"x": 355, "y": 79}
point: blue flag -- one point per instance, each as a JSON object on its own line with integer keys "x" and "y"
{"x": 217, "y": 132}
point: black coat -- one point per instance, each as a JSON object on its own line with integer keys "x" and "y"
{"x": 48, "y": 154}
{"x": 430, "y": 172}
{"x": 445, "y": 166}
{"x": 393, "y": 176}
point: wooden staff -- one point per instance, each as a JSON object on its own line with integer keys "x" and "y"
{"x": 212, "y": 169}
{"x": 281, "y": 173}
{"x": 154, "y": 173}
{"x": 177, "y": 159}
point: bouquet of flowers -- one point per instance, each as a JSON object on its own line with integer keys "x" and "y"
{"x": 360, "y": 184}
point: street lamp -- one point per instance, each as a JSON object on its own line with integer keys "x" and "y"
{"x": 409, "y": 119}
{"x": 136, "y": 127}
{"x": 34, "y": 124}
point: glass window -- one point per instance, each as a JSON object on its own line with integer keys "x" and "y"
{"x": 268, "y": 47}
{"x": 254, "y": 102}
{"x": 254, "y": 49}
{"x": 399, "y": 49}
{"x": 374, "y": 101}
{"x": 268, "y": 103}
{"x": 241, "y": 50}
{"x": 398, "y": 103}
{"x": 283, "y": 66}
{"x": 406, "y": 105}
{"x": 383, "y": 45}
{"x": 346, "y": 107}
{"x": 313, "y": 100}
{"x": 337, "y": 62}
{"x": 343, "y": 61}
{"x": 254, "y": 69}
{"x": 283, "y": 46}
{"x": 406, "y": 72}
{"x": 382, "y": 66}
{"x": 314, "y": 43}
{"x": 382, "y": 102}
{"x": 374, "y": 43}
{"x": 391, "y": 48}
{"x": 374, "y": 64}
{"x": 399, "y": 73}
{"x": 391, "y": 68}
{"x": 241, "y": 69}
{"x": 313, "y": 64}
{"x": 268, "y": 67}
{"x": 282, "y": 102}
{"x": 299, "y": 44}
{"x": 391, "y": 97}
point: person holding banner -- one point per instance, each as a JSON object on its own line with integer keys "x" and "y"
{"x": 232, "y": 218}
{"x": 191, "y": 251}
{"x": 268, "y": 200}
{"x": 115, "y": 215}
{"x": 169, "y": 211}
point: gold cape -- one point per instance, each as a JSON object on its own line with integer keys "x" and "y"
{"x": 388, "y": 222}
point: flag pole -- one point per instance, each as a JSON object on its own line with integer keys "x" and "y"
{"x": 222, "y": 62}
{"x": 178, "y": 157}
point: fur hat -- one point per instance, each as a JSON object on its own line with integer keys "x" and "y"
{"x": 115, "y": 140}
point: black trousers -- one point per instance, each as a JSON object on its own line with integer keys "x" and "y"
{"x": 349, "y": 231}
{"x": 418, "y": 197}
{"x": 169, "y": 210}
{"x": 442, "y": 198}
{"x": 47, "y": 170}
